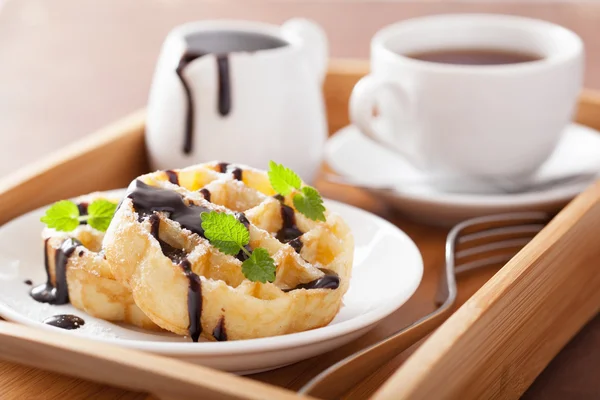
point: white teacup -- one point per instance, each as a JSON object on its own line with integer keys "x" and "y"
{"x": 239, "y": 91}
{"x": 496, "y": 121}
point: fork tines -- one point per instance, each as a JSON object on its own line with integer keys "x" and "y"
{"x": 492, "y": 240}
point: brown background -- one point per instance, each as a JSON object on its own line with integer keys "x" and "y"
{"x": 68, "y": 67}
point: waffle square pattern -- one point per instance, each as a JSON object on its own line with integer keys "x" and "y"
{"x": 156, "y": 248}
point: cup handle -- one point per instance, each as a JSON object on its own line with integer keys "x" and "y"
{"x": 363, "y": 100}
{"x": 314, "y": 43}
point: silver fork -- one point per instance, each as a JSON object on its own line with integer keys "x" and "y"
{"x": 475, "y": 243}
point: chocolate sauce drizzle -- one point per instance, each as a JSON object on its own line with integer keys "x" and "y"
{"x": 83, "y": 210}
{"x": 296, "y": 244}
{"x": 146, "y": 200}
{"x": 236, "y": 171}
{"x": 330, "y": 280}
{"x": 173, "y": 177}
{"x": 28, "y": 282}
{"x": 65, "y": 321}
{"x": 222, "y": 167}
{"x": 58, "y": 293}
{"x": 220, "y": 333}
{"x": 194, "y": 300}
{"x": 242, "y": 256}
{"x": 173, "y": 253}
{"x": 289, "y": 231}
{"x": 206, "y": 193}
{"x": 224, "y": 92}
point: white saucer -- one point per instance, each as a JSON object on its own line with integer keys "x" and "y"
{"x": 387, "y": 270}
{"x": 349, "y": 153}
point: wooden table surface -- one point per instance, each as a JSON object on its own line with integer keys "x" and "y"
{"x": 70, "y": 66}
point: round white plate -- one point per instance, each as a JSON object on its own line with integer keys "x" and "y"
{"x": 387, "y": 270}
{"x": 350, "y": 153}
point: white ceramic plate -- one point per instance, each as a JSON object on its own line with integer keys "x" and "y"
{"x": 349, "y": 153}
{"x": 387, "y": 271}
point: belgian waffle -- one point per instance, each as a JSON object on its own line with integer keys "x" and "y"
{"x": 156, "y": 247}
{"x": 78, "y": 273}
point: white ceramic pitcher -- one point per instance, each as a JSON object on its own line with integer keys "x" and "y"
{"x": 240, "y": 92}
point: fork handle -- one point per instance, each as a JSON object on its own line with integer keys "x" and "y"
{"x": 336, "y": 380}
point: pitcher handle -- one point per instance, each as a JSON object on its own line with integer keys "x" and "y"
{"x": 315, "y": 43}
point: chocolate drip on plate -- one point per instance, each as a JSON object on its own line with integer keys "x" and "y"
{"x": 289, "y": 231}
{"x": 65, "y": 321}
{"x": 330, "y": 280}
{"x": 194, "y": 300}
{"x": 220, "y": 333}
{"x": 58, "y": 293}
{"x": 173, "y": 177}
{"x": 28, "y": 282}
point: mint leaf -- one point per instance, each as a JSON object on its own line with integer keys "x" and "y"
{"x": 283, "y": 180}
{"x": 62, "y": 216}
{"x": 100, "y": 213}
{"x": 260, "y": 267}
{"x": 230, "y": 236}
{"x": 225, "y": 232}
{"x": 310, "y": 203}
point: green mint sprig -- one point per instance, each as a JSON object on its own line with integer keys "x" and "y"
{"x": 306, "y": 199}
{"x": 230, "y": 236}
{"x": 64, "y": 215}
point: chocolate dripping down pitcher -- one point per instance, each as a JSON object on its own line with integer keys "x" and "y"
{"x": 239, "y": 90}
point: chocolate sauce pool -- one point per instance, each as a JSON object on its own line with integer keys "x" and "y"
{"x": 65, "y": 321}
{"x": 219, "y": 43}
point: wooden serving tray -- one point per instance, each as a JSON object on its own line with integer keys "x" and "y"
{"x": 494, "y": 345}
